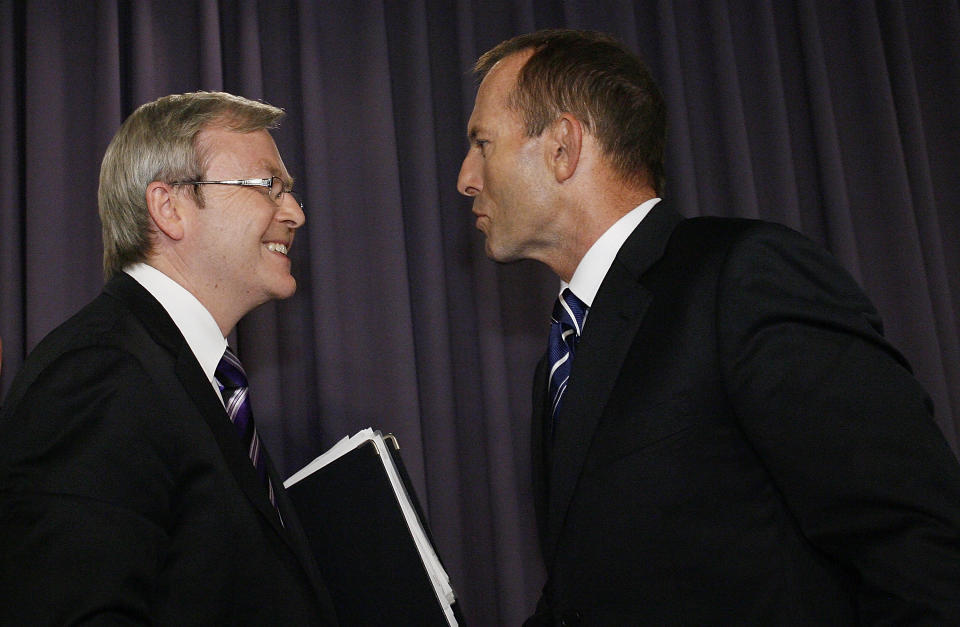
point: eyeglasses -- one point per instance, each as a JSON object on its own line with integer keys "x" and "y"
{"x": 273, "y": 186}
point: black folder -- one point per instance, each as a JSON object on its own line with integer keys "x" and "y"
{"x": 366, "y": 545}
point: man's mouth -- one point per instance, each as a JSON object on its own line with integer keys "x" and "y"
{"x": 277, "y": 247}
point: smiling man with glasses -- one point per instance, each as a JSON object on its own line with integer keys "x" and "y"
{"x": 133, "y": 483}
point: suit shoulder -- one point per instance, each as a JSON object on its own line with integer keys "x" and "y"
{"x": 713, "y": 231}
{"x": 745, "y": 245}
{"x": 750, "y": 253}
{"x": 90, "y": 342}
{"x": 697, "y": 247}
{"x": 78, "y": 376}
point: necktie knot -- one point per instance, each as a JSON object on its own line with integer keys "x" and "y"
{"x": 230, "y": 372}
{"x": 566, "y": 326}
{"x": 569, "y": 311}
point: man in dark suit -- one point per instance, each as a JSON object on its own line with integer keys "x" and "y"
{"x": 133, "y": 487}
{"x": 721, "y": 435}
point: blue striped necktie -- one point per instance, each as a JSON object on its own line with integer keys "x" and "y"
{"x": 232, "y": 381}
{"x": 565, "y": 329}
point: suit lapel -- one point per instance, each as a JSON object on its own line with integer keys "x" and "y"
{"x": 237, "y": 459}
{"x": 600, "y": 352}
{"x": 194, "y": 382}
{"x": 611, "y": 326}
{"x": 201, "y": 392}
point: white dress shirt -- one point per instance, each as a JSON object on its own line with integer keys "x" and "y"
{"x": 197, "y": 325}
{"x": 594, "y": 266}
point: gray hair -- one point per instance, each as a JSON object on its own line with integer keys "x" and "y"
{"x": 158, "y": 142}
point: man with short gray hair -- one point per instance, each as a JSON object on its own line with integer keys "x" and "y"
{"x": 133, "y": 483}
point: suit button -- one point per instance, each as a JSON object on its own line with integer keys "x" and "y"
{"x": 571, "y": 618}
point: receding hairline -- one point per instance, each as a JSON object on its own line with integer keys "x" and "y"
{"x": 536, "y": 41}
{"x": 489, "y": 59}
{"x": 563, "y": 70}
{"x": 474, "y": 129}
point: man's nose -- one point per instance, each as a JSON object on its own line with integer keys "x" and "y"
{"x": 291, "y": 212}
{"x": 469, "y": 182}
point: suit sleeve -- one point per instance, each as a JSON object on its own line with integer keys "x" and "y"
{"x": 842, "y": 426}
{"x": 84, "y": 494}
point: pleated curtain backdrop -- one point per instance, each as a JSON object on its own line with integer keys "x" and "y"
{"x": 839, "y": 119}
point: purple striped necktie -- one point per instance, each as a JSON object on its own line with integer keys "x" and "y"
{"x": 566, "y": 326}
{"x": 232, "y": 381}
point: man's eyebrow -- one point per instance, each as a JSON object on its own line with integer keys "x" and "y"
{"x": 274, "y": 169}
{"x": 473, "y": 133}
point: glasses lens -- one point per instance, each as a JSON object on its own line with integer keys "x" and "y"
{"x": 276, "y": 188}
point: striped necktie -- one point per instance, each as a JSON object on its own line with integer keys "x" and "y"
{"x": 232, "y": 381}
{"x": 565, "y": 329}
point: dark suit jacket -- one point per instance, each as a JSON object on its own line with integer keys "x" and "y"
{"x": 125, "y": 494}
{"x": 738, "y": 445}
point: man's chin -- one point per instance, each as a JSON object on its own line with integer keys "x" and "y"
{"x": 500, "y": 255}
{"x": 287, "y": 290}
{"x": 492, "y": 252}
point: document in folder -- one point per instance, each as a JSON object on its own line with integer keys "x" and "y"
{"x": 371, "y": 546}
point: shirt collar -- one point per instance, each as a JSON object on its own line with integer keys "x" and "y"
{"x": 586, "y": 279}
{"x": 197, "y": 325}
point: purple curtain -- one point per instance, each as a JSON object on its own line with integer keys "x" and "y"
{"x": 839, "y": 119}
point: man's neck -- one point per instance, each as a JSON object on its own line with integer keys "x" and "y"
{"x": 592, "y": 218}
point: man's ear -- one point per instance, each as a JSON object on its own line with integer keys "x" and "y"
{"x": 165, "y": 210}
{"x": 566, "y": 134}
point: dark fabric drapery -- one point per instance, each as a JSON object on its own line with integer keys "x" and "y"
{"x": 838, "y": 119}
